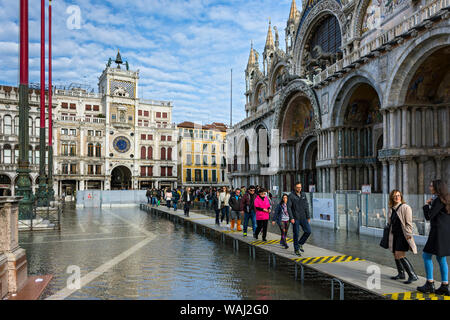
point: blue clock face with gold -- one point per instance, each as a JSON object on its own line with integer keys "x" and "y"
{"x": 121, "y": 144}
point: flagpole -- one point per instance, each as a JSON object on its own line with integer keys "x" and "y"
{"x": 51, "y": 192}
{"x": 41, "y": 196}
{"x": 23, "y": 182}
{"x": 231, "y": 100}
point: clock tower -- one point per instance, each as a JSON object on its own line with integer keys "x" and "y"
{"x": 119, "y": 89}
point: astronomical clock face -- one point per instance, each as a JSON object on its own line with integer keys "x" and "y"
{"x": 121, "y": 144}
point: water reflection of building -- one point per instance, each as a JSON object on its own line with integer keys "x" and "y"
{"x": 360, "y": 95}
{"x": 107, "y": 140}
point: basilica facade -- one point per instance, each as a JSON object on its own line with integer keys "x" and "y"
{"x": 360, "y": 95}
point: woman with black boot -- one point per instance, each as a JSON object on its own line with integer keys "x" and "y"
{"x": 401, "y": 237}
{"x": 437, "y": 211}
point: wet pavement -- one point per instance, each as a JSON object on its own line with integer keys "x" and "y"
{"x": 127, "y": 254}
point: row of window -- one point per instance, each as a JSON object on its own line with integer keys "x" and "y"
{"x": 149, "y": 137}
{"x": 7, "y": 156}
{"x": 73, "y": 132}
{"x": 71, "y": 168}
{"x": 199, "y": 134}
{"x": 203, "y": 148}
{"x": 147, "y": 153}
{"x": 206, "y": 177}
{"x": 197, "y": 160}
{"x": 12, "y": 127}
{"x": 147, "y": 171}
{"x": 73, "y": 106}
{"x": 157, "y": 114}
{"x": 146, "y": 123}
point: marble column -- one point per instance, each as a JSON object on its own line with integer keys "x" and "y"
{"x": 332, "y": 180}
{"x": 391, "y": 129}
{"x": 420, "y": 176}
{"x": 341, "y": 177}
{"x": 436, "y": 127}
{"x": 346, "y": 186}
{"x": 405, "y": 188}
{"x": 332, "y": 144}
{"x": 385, "y": 177}
{"x": 370, "y": 169}
{"x": 324, "y": 180}
{"x": 385, "y": 129}
{"x": 413, "y": 126}
{"x": 375, "y": 178}
{"x": 340, "y": 143}
{"x": 319, "y": 180}
{"x": 423, "y": 121}
{"x": 358, "y": 141}
{"x": 357, "y": 175}
{"x": 392, "y": 174}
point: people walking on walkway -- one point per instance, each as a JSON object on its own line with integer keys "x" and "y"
{"x": 188, "y": 199}
{"x": 262, "y": 208}
{"x": 216, "y": 205}
{"x": 235, "y": 205}
{"x": 437, "y": 211}
{"x": 168, "y": 196}
{"x": 281, "y": 218}
{"x": 224, "y": 198}
{"x": 298, "y": 209}
{"x": 248, "y": 207}
{"x": 401, "y": 238}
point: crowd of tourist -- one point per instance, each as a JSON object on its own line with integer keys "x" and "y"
{"x": 255, "y": 204}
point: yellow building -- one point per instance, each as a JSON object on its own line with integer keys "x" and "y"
{"x": 202, "y": 155}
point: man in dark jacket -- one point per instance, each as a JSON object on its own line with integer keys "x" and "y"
{"x": 235, "y": 204}
{"x": 298, "y": 210}
{"x": 188, "y": 199}
{"x": 248, "y": 207}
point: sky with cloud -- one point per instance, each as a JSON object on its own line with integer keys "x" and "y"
{"x": 184, "y": 49}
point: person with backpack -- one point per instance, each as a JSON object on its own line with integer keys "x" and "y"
{"x": 437, "y": 211}
{"x": 235, "y": 205}
{"x": 175, "y": 199}
{"x": 401, "y": 238}
{"x": 248, "y": 207}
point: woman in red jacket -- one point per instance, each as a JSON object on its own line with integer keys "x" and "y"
{"x": 262, "y": 207}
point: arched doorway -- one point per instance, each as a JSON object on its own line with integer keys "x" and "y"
{"x": 307, "y": 163}
{"x": 361, "y": 125}
{"x": 121, "y": 178}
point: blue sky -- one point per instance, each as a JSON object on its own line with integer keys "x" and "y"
{"x": 184, "y": 49}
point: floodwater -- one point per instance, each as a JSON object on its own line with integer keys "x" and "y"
{"x": 128, "y": 254}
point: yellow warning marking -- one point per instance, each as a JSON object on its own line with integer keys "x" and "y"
{"x": 276, "y": 241}
{"x": 415, "y": 295}
{"x": 193, "y": 219}
{"x": 327, "y": 259}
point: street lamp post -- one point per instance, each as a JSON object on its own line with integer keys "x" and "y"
{"x": 24, "y": 183}
{"x": 42, "y": 191}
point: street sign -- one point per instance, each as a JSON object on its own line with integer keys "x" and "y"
{"x": 366, "y": 189}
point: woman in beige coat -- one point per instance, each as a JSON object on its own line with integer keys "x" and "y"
{"x": 401, "y": 237}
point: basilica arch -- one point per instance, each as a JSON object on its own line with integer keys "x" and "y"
{"x": 417, "y": 115}
{"x": 322, "y": 10}
{"x": 358, "y": 123}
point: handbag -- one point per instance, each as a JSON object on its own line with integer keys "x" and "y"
{"x": 384, "y": 243}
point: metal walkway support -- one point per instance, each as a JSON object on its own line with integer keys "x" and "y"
{"x": 341, "y": 289}
{"x": 302, "y": 272}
